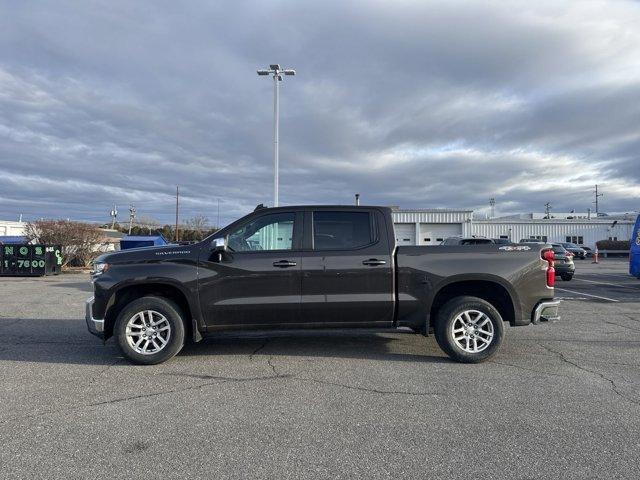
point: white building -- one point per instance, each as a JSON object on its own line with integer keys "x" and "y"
{"x": 431, "y": 226}
{"x": 9, "y": 228}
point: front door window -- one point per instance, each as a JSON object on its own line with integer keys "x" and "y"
{"x": 269, "y": 232}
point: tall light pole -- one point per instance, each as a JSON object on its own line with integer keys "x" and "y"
{"x": 277, "y": 72}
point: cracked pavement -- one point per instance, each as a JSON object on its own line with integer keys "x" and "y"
{"x": 558, "y": 401}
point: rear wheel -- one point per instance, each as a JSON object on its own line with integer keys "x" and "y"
{"x": 150, "y": 330}
{"x": 469, "y": 329}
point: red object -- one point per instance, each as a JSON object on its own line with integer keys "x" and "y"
{"x": 548, "y": 256}
{"x": 551, "y": 272}
{"x": 551, "y": 276}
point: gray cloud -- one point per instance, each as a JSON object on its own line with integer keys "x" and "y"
{"x": 418, "y": 104}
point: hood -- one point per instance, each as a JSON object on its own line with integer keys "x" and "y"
{"x": 157, "y": 252}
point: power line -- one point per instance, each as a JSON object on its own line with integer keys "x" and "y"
{"x": 596, "y": 201}
{"x": 114, "y": 215}
{"x": 177, "y": 206}
{"x": 132, "y": 215}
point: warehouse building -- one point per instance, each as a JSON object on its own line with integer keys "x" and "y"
{"x": 10, "y": 228}
{"x": 431, "y": 226}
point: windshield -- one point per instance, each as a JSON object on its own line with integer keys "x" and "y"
{"x": 558, "y": 249}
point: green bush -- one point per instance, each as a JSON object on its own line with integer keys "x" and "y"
{"x": 612, "y": 244}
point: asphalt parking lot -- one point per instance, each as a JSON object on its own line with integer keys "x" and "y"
{"x": 560, "y": 400}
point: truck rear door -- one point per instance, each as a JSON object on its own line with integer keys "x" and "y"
{"x": 347, "y": 268}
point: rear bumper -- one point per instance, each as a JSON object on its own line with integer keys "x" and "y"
{"x": 95, "y": 325}
{"x": 565, "y": 268}
{"x": 546, "y": 311}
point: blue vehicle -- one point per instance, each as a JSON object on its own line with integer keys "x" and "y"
{"x": 634, "y": 252}
{"x": 137, "y": 241}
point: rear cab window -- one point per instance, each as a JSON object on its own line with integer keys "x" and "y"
{"x": 476, "y": 241}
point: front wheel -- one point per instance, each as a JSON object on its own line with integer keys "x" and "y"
{"x": 150, "y": 330}
{"x": 469, "y": 329}
{"x": 566, "y": 278}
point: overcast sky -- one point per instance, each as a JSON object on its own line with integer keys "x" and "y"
{"x": 416, "y": 104}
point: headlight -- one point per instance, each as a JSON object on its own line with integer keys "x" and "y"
{"x": 99, "y": 268}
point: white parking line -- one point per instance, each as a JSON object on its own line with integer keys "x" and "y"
{"x": 588, "y": 295}
{"x": 607, "y": 283}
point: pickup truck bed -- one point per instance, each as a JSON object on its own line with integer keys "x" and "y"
{"x": 513, "y": 280}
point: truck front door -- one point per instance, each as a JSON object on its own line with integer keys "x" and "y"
{"x": 347, "y": 268}
{"x": 257, "y": 281}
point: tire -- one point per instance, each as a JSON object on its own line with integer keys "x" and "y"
{"x": 453, "y": 314}
{"x": 133, "y": 320}
{"x": 566, "y": 278}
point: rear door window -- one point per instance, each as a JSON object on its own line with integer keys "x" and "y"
{"x": 341, "y": 230}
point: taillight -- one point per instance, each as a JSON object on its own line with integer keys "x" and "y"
{"x": 548, "y": 256}
{"x": 551, "y": 272}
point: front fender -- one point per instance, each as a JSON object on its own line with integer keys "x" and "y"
{"x": 123, "y": 282}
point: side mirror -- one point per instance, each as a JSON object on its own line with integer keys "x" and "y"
{"x": 219, "y": 244}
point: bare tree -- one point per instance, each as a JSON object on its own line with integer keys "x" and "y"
{"x": 199, "y": 224}
{"x": 148, "y": 224}
{"x": 80, "y": 241}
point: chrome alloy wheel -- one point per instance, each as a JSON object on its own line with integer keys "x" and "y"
{"x": 148, "y": 332}
{"x": 472, "y": 331}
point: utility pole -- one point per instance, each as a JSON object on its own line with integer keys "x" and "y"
{"x": 596, "y": 202}
{"x": 492, "y": 204}
{"x": 277, "y": 73}
{"x": 113, "y": 214}
{"x": 132, "y": 215}
{"x": 177, "y": 206}
{"x": 218, "y": 221}
{"x": 547, "y": 210}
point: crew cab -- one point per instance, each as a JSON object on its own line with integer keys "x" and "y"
{"x": 317, "y": 267}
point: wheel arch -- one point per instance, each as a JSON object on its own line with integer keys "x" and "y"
{"x": 493, "y": 290}
{"x": 125, "y": 294}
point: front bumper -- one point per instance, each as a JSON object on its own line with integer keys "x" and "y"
{"x": 95, "y": 325}
{"x": 546, "y": 311}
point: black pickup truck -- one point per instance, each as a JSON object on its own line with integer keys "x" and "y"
{"x": 317, "y": 267}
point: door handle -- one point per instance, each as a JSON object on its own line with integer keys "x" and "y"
{"x": 373, "y": 262}
{"x": 284, "y": 264}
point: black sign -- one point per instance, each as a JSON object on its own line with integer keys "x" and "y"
{"x": 29, "y": 260}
